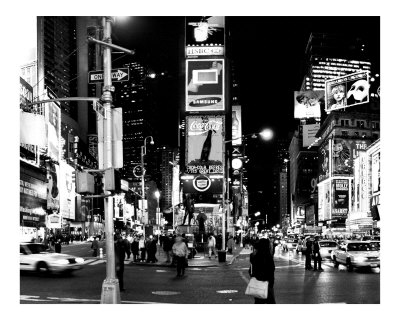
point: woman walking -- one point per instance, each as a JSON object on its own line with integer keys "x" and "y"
{"x": 263, "y": 268}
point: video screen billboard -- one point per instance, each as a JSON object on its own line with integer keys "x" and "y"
{"x": 307, "y": 104}
{"x": 204, "y": 144}
{"x": 205, "y": 85}
{"x": 346, "y": 91}
{"x": 205, "y": 36}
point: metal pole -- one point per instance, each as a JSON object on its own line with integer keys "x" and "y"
{"x": 225, "y": 183}
{"x": 110, "y": 289}
{"x": 143, "y": 195}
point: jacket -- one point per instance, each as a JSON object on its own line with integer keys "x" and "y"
{"x": 180, "y": 249}
{"x": 261, "y": 269}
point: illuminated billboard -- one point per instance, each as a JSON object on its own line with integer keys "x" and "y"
{"x": 67, "y": 191}
{"x": 307, "y": 104}
{"x": 343, "y": 153}
{"x": 346, "y": 91}
{"x": 205, "y": 85}
{"x": 53, "y": 119}
{"x": 205, "y": 36}
{"x": 340, "y": 196}
{"x": 376, "y": 172}
{"x": 204, "y": 144}
{"x": 236, "y": 125}
{"x": 324, "y": 201}
{"x": 53, "y": 190}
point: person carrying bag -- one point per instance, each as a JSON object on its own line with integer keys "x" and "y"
{"x": 262, "y": 270}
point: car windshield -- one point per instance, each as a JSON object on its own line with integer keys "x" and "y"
{"x": 360, "y": 247}
{"x": 327, "y": 244}
{"x": 38, "y": 248}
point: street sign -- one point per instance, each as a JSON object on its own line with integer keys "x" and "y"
{"x": 117, "y": 75}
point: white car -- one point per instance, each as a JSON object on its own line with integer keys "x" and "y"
{"x": 40, "y": 258}
{"x": 357, "y": 254}
{"x": 326, "y": 247}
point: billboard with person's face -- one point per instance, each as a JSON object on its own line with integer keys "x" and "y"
{"x": 307, "y": 104}
{"x": 323, "y": 161}
{"x": 343, "y": 153}
{"x": 204, "y": 144}
{"x": 205, "y": 85}
{"x": 346, "y": 91}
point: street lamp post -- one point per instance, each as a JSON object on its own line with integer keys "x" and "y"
{"x": 142, "y": 154}
{"x": 266, "y": 134}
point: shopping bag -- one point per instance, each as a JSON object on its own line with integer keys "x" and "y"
{"x": 257, "y": 289}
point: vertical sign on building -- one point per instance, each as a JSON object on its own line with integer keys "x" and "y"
{"x": 67, "y": 191}
{"x": 53, "y": 119}
{"x": 236, "y": 125}
{"x": 340, "y": 205}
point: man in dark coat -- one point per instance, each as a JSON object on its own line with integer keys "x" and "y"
{"x": 167, "y": 247}
{"x": 57, "y": 246}
{"x": 308, "y": 253}
{"x": 151, "y": 247}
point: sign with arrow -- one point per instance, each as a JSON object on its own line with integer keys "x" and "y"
{"x": 117, "y": 75}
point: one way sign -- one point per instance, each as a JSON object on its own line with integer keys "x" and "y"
{"x": 117, "y": 75}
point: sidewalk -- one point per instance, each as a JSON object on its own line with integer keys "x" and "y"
{"x": 200, "y": 260}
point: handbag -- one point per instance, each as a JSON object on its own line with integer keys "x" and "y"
{"x": 256, "y": 288}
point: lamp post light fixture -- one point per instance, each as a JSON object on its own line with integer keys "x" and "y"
{"x": 142, "y": 154}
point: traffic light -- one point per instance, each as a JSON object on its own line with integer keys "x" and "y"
{"x": 112, "y": 181}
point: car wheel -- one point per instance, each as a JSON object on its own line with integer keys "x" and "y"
{"x": 349, "y": 265}
{"x": 335, "y": 263}
{"x": 42, "y": 268}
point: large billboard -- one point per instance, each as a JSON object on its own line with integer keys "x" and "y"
{"x": 307, "y": 104}
{"x": 67, "y": 191}
{"x": 53, "y": 190}
{"x": 204, "y": 144}
{"x": 344, "y": 152}
{"x": 346, "y": 91}
{"x": 376, "y": 172}
{"x": 340, "y": 197}
{"x": 205, "y": 36}
{"x": 205, "y": 85}
{"x": 309, "y": 132}
{"x": 236, "y": 125}
{"x": 324, "y": 201}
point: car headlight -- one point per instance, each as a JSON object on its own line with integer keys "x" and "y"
{"x": 79, "y": 260}
{"x": 360, "y": 259}
{"x": 63, "y": 261}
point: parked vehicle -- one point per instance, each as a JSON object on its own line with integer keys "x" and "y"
{"x": 42, "y": 259}
{"x": 356, "y": 254}
{"x": 290, "y": 244}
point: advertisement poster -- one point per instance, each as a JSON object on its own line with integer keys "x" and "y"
{"x": 205, "y": 36}
{"x": 340, "y": 205}
{"x": 204, "y": 144}
{"x": 324, "y": 201}
{"x": 376, "y": 172}
{"x": 343, "y": 154}
{"x": 309, "y": 132}
{"x": 53, "y": 119}
{"x": 67, "y": 191}
{"x": 310, "y": 215}
{"x": 53, "y": 191}
{"x": 307, "y": 104}
{"x": 33, "y": 201}
{"x": 236, "y": 125}
{"x": 205, "y": 85}
{"x": 346, "y": 91}
{"x": 323, "y": 161}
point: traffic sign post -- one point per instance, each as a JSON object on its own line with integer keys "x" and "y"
{"x": 117, "y": 75}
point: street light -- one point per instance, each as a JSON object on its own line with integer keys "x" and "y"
{"x": 157, "y": 194}
{"x": 142, "y": 154}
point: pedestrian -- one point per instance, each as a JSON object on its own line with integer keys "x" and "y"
{"x": 95, "y": 246}
{"x": 263, "y": 268}
{"x": 57, "y": 246}
{"x": 119, "y": 249}
{"x": 230, "y": 244}
{"x": 151, "y": 248}
{"x": 142, "y": 248}
{"x": 167, "y": 247}
{"x": 127, "y": 247}
{"x": 308, "y": 253}
{"x": 181, "y": 252}
{"x": 135, "y": 249}
{"x": 211, "y": 246}
{"x": 317, "y": 255}
{"x": 253, "y": 240}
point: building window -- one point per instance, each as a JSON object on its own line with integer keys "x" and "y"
{"x": 356, "y": 133}
{"x": 360, "y": 124}
{"x": 344, "y": 122}
{"x": 345, "y": 133}
{"x": 375, "y": 125}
